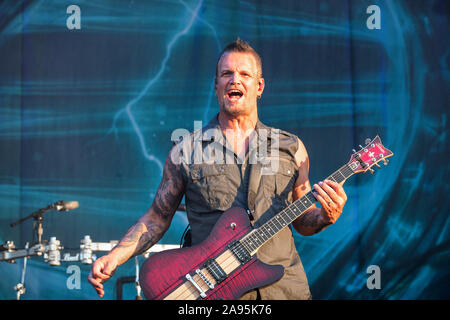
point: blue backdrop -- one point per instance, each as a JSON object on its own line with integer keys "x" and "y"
{"x": 88, "y": 102}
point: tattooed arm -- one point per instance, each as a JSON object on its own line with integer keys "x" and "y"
{"x": 150, "y": 228}
{"x": 330, "y": 194}
{"x": 147, "y": 231}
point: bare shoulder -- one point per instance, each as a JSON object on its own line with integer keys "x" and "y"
{"x": 301, "y": 156}
{"x": 302, "y": 184}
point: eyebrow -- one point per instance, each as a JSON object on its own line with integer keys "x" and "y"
{"x": 241, "y": 72}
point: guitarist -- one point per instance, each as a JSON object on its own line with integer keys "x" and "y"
{"x": 210, "y": 189}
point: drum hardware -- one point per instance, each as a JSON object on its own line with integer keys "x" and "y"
{"x": 51, "y": 250}
{"x": 20, "y": 287}
{"x": 136, "y": 281}
{"x": 53, "y": 255}
{"x": 129, "y": 279}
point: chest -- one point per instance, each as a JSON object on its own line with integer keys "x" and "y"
{"x": 238, "y": 141}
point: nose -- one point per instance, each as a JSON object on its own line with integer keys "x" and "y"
{"x": 235, "y": 78}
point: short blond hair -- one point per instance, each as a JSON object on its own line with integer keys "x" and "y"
{"x": 240, "y": 45}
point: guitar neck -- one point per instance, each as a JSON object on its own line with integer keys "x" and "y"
{"x": 264, "y": 233}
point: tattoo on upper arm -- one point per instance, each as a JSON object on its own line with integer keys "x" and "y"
{"x": 170, "y": 191}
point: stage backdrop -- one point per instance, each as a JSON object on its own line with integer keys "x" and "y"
{"x": 90, "y": 92}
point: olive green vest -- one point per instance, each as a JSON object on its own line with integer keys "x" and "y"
{"x": 213, "y": 187}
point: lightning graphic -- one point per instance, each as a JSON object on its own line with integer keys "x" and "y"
{"x": 127, "y": 110}
{"x": 219, "y": 47}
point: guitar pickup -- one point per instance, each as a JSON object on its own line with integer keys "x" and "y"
{"x": 239, "y": 251}
{"x": 215, "y": 270}
{"x": 204, "y": 278}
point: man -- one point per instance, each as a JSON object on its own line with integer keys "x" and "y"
{"x": 211, "y": 188}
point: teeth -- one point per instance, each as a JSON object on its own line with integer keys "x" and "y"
{"x": 235, "y": 91}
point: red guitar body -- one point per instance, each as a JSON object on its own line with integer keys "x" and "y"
{"x": 165, "y": 271}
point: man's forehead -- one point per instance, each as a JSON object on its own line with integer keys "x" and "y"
{"x": 242, "y": 60}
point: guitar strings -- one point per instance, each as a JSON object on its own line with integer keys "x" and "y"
{"x": 203, "y": 285}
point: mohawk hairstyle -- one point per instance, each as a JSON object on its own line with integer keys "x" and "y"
{"x": 241, "y": 46}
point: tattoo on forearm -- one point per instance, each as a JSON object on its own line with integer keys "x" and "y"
{"x": 142, "y": 237}
{"x": 312, "y": 219}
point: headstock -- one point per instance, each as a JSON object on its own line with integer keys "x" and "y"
{"x": 369, "y": 156}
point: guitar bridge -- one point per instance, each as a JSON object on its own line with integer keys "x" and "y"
{"x": 239, "y": 251}
{"x": 191, "y": 280}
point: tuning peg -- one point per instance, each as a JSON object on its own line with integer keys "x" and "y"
{"x": 386, "y": 162}
{"x": 354, "y": 151}
{"x": 377, "y": 165}
{"x": 371, "y": 170}
{"x": 367, "y": 141}
{"x": 363, "y": 148}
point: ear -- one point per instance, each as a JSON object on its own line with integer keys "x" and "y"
{"x": 261, "y": 85}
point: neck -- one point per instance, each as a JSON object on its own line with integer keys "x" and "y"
{"x": 237, "y": 129}
{"x": 238, "y": 122}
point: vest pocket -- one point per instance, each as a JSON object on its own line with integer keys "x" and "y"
{"x": 285, "y": 178}
{"x": 279, "y": 185}
{"x": 208, "y": 188}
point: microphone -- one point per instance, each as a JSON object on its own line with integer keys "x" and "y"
{"x": 65, "y": 205}
{"x": 60, "y": 206}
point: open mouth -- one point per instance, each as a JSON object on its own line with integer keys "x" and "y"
{"x": 234, "y": 94}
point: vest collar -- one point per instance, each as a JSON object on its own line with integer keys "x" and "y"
{"x": 214, "y": 123}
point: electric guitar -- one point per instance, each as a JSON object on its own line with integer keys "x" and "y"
{"x": 224, "y": 265}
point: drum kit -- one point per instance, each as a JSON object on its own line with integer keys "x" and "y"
{"x": 52, "y": 251}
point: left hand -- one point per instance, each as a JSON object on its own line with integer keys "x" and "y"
{"x": 332, "y": 197}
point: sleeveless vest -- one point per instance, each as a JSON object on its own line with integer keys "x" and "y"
{"x": 215, "y": 185}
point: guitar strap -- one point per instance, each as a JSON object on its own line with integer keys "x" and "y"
{"x": 255, "y": 173}
{"x": 253, "y": 187}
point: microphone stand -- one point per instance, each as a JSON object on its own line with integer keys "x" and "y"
{"x": 37, "y": 230}
{"x": 37, "y": 225}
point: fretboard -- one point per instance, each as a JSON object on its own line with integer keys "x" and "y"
{"x": 261, "y": 235}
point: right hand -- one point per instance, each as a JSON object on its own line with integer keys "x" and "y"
{"x": 102, "y": 269}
